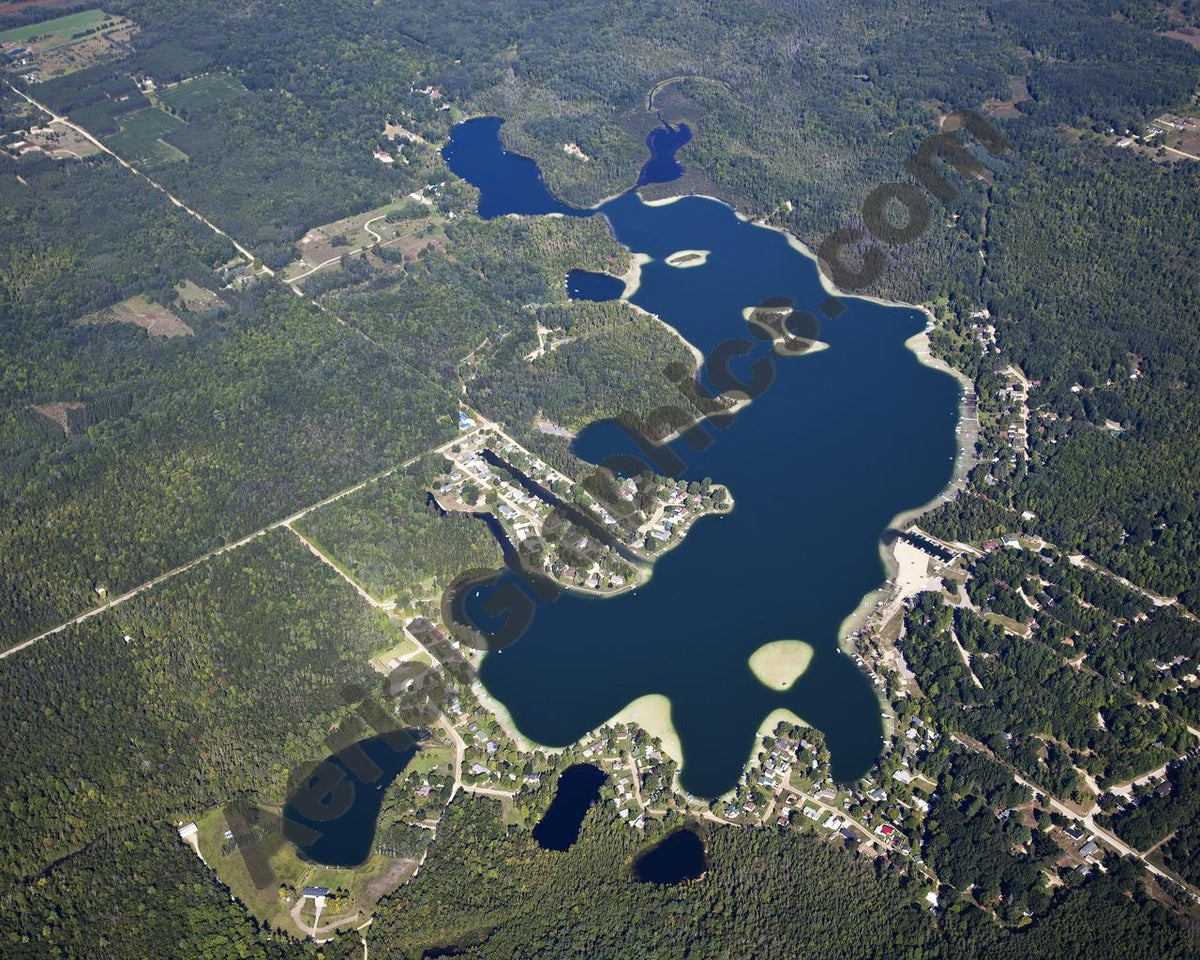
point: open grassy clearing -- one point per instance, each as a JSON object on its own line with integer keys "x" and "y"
{"x": 365, "y": 883}
{"x": 58, "y": 413}
{"x": 192, "y": 296}
{"x": 60, "y": 29}
{"x": 421, "y": 228}
{"x": 199, "y": 93}
{"x": 389, "y": 659}
{"x": 139, "y": 141}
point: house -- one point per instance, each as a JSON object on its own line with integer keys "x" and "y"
{"x": 903, "y": 776}
{"x": 826, "y": 794}
{"x": 1074, "y": 833}
{"x": 1089, "y": 849}
{"x": 833, "y": 823}
{"x": 878, "y": 795}
{"x": 812, "y": 813}
{"x": 315, "y": 891}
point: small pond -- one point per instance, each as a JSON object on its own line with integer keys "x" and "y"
{"x": 578, "y": 791}
{"x": 678, "y": 857}
{"x": 331, "y": 816}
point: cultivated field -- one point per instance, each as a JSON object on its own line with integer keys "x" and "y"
{"x": 139, "y": 140}
{"x": 60, "y": 30}
{"x": 156, "y": 320}
{"x": 199, "y": 93}
{"x": 66, "y": 44}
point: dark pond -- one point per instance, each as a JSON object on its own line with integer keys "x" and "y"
{"x": 677, "y": 857}
{"x": 331, "y": 817}
{"x": 578, "y": 791}
{"x": 586, "y": 285}
{"x": 664, "y": 141}
{"x": 843, "y": 440}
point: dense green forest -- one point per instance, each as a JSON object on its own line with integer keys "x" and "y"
{"x": 397, "y": 545}
{"x": 764, "y": 894}
{"x": 135, "y": 893}
{"x": 218, "y": 682}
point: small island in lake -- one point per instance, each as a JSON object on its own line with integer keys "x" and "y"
{"x": 688, "y": 258}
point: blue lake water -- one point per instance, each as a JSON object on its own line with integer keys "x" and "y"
{"x": 663, "y": 143}
{"x": 842, "y": 441}
{"x": 586, "y": 285}
{"x": 331, "y": 817}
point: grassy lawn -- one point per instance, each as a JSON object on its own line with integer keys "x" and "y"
{"x": 63, "y": 28}
{"x": 403, "y": 650}
{"x": 139, "y": 143}
{"x": 432, "y": 758}
{"x": 201, "y": 92}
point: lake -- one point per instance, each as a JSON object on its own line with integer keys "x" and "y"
{"x": 844, "y": 440}
{"x": 578, "y": 790}
{"x": 677, "y": 857}
{"x": 331, "y": 817}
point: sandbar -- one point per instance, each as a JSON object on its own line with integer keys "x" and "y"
{"x": 781, "y": 663}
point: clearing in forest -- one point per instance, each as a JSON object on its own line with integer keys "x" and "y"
{"x": 61, "y": 413}
{"x": 191, "y": 296}
{"x": 156, "y": 320}
{"x": 199, "y": 93}
{"x": 414, "y": 225}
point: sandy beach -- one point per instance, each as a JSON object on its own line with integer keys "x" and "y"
{"x": 633, "y": 276}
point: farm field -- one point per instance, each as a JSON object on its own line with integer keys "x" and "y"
{"x": 67, "y": 44}
{"x": 60, "y": 30}
{"x": 139, "y": 141}
{"x": 200, "y": 93}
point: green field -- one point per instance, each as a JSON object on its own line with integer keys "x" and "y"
{"x": 138, "y": 141}
{"x": 63, "y": 27}
{"x": 201, "y": 92}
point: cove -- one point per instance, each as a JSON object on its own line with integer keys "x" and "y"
{"x": 598, "y": 287}
{"x": 844, "y": 440}
{"x": 330, "y": 818}
{"x": 578, "y": 790}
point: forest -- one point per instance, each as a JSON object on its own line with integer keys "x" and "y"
{"x": 218, "y": 683}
